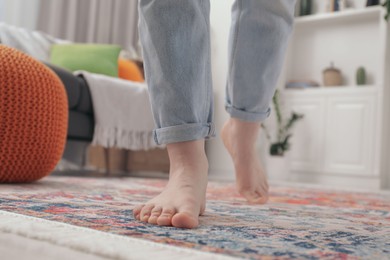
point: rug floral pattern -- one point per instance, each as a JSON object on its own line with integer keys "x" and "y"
{"x": 303, "y": 223}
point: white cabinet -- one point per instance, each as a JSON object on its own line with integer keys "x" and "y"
{"x": 307, "y": 142}
{"x": 338, "y": 134}
{"x": 349, "y": 138}
{"x": 344, "y": 138}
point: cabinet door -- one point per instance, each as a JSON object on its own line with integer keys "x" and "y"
{"x": 307, "y": 140}
{"x": 350, "y": 135}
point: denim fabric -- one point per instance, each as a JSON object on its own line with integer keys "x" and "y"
{"x": 258, "y": 40}
{"x": 175, "y": 35}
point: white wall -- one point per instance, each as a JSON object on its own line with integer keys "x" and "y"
{"x": 220, "y": 163}
{"x": 20, "y": 12}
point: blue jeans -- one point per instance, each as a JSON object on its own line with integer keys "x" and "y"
{"x": 175, "y": 36}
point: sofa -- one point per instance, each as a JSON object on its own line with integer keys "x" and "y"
{"x": 81, "y": 120}
{"x": 81, "y": 115}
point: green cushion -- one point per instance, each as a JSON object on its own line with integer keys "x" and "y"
{"x": 95, "y": 58}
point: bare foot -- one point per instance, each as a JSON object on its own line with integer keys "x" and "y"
{"x": 240, "y": 139}
{"x": 184, "y": 197}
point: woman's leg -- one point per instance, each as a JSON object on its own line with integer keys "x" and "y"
{"x": 176, "y": 47}
{"x": 258, "y": 40}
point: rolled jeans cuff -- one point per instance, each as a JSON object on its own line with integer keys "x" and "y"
{"x": 183, "y": 133}
{"x": 247, "y": 116}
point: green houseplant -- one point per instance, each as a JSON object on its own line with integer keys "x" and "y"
{"x": 386, "y": 4}
{"x": 283, "y": 131}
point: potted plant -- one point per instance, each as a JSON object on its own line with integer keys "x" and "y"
{"x": 277, "y": 164}
{"x": 386, "y": 4}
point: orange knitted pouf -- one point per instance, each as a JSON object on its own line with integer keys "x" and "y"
{"x": 33, "y": 118}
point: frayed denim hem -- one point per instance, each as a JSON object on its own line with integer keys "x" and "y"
{"x": 183, "y": 133}
{"x": 247, "y": 116}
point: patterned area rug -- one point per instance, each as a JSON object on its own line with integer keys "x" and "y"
{"x": 304, "y": 223}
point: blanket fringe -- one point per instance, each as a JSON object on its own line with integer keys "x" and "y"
{"x": 124, "y": 139}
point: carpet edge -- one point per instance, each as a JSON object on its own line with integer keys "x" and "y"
{"x": 95, "y": 242}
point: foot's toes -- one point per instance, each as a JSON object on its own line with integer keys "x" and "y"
{"x": 137, "y": 211}
{"x": 155, "y": 213}
{"x": 165, "y": 219}
{"x": 145, "y": 212}
{"x": 185, "y": 220}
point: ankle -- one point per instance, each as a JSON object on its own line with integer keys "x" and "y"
{"x": 238, "y": 134}
{"x": 239, "y": 126}
{"x": 189, "y": 154}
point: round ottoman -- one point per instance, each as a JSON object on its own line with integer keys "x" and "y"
{"x": 33, "y": 118}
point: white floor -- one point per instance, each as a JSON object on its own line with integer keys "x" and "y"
{"x": 13, "y": 246}
{"x": 23, "y": 237}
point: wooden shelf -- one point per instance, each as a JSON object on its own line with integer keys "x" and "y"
{"x": 357, "y": 15}
{"x": 336, "y": 89}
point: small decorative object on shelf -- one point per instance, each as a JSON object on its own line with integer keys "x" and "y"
{"x": 339, "y": 5}
{"x": 281, "y": 145}
{"x": 330, "y": 5}
{"x": 297, "y": 84}
{"x": 305, "y": 7}
{"x": 361, "y": 76}
{"x": 332, "y": 76}
{"x": 372, "y": 2}
{"x": 336, "y": 5}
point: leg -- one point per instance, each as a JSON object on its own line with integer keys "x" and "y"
{"x": 258, "y": 40}
{"x": 176, "y": 47}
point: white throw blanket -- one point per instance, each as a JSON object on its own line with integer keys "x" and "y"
{"x": 123, "y": 115}
{"x": 34, "y": 43}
